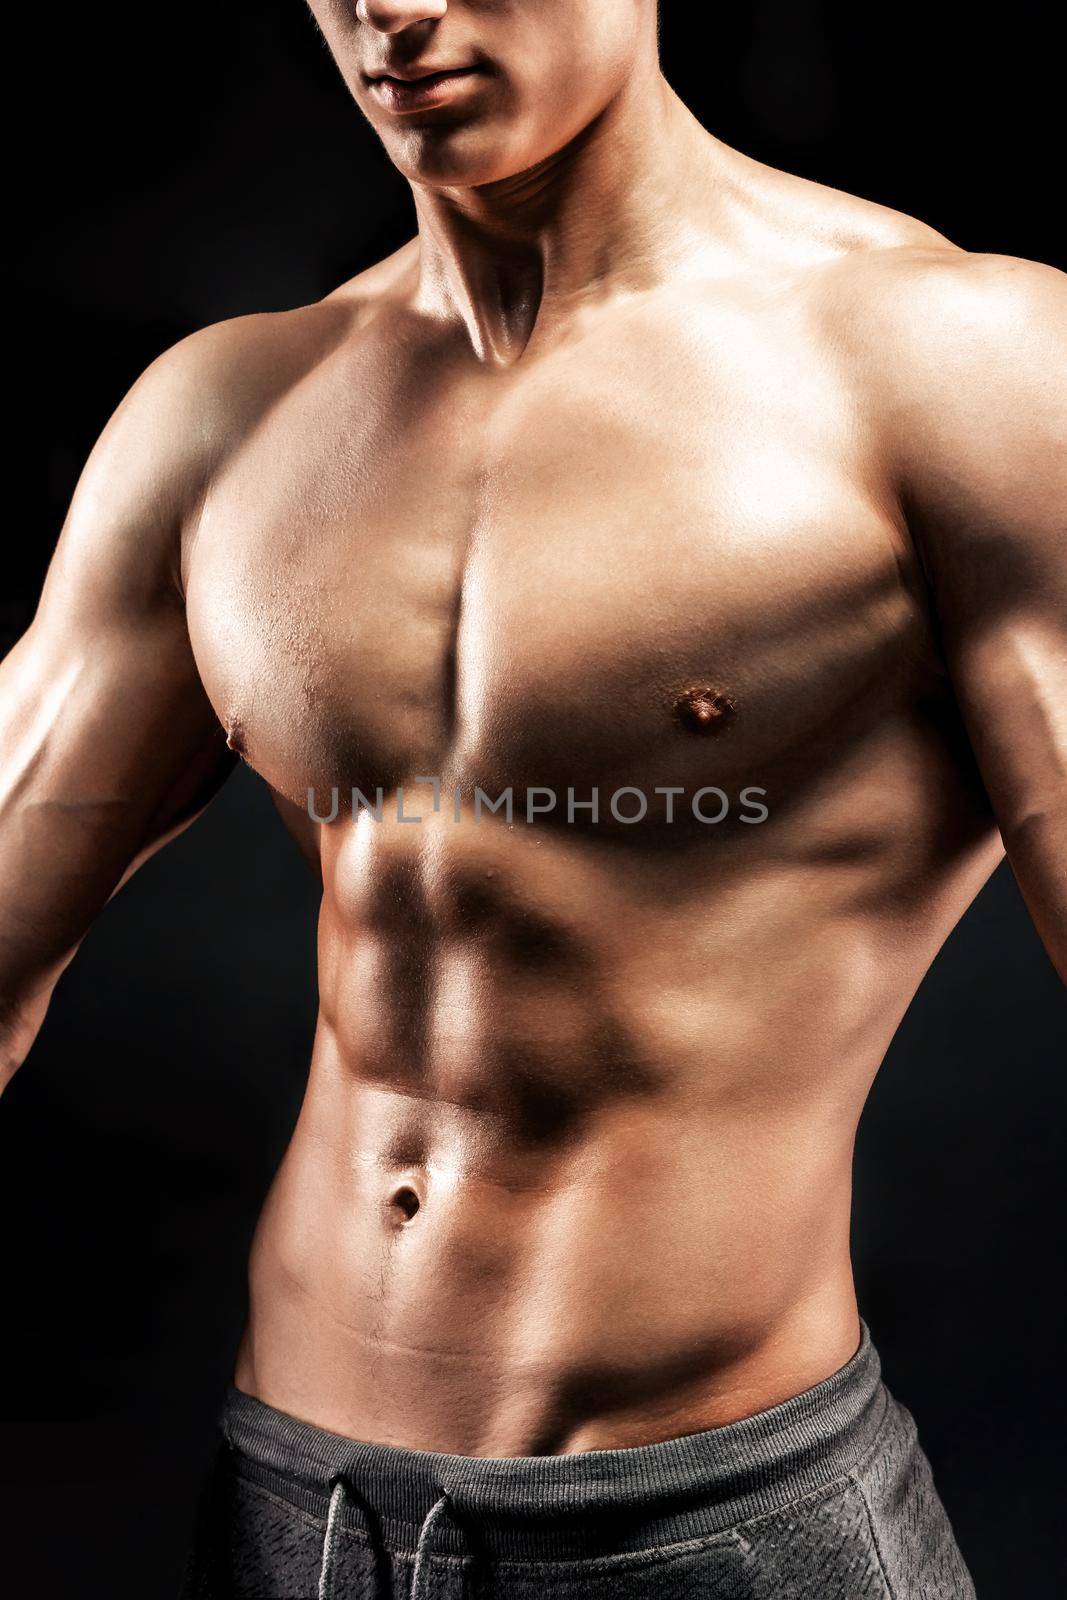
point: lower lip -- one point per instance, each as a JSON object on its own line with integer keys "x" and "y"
{"x": 424, "y": 93}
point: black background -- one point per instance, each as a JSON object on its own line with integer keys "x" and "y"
{"x": 172, "y": 166}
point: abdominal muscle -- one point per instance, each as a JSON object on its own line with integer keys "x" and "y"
{"x": 496, "y": 1235}
{"x": 650, "y": 1285}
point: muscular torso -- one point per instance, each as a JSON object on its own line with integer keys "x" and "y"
{"x": 573, "y": 1166}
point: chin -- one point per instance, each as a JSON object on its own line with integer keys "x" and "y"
{"x": 472, "y": 175}
{"x": 460, "y": 158}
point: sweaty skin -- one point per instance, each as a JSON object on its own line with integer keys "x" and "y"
{"x": 643, "y": 467}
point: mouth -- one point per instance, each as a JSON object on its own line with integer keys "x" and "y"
{"x": 418, "y": 89}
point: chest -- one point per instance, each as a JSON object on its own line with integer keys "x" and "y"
{"x": 521, "y": 582}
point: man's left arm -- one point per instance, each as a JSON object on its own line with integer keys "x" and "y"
{"x": 980, "y": 424}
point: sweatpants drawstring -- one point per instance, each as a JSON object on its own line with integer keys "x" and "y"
{"x": 420, "y": 1582}
{"x": 331, "y": 1541}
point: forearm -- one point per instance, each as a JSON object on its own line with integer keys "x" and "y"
{"x": 60, "y": 860}
{"x": 60, "y": 863}
{"x": 49, "y": 893}
{"x": 1037, "y": 850}
{"x": 20, "y": 1022}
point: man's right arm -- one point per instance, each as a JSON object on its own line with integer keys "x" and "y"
{"x": 108, "y": 744}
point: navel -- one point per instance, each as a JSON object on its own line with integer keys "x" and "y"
{"x": 405, "y": 1203}
{"x": 704, "y": 709}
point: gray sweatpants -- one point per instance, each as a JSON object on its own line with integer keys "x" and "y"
{"x": 827, "y": 1497}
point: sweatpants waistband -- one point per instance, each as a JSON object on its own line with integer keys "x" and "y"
{"x": 570, "y": 1506}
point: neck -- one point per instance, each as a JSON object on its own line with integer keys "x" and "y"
{"x": 605, "y": 213}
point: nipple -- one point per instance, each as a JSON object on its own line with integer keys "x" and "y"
{"x": 235, "y": 738}
{"x": 406, "y": 1202}
{"x": 704, "y": 709}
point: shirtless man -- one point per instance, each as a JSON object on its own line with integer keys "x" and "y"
{"x": 649, "y": 474}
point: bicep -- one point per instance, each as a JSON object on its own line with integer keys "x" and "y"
{"x": 1010, "y": 675}
{"x": 988, "y": 482}
{"x": 107, "y": 739}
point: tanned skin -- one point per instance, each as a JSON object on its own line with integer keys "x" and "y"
{"x": 646, "y": 465}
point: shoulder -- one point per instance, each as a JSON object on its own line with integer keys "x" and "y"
{"x": 795, "y": 225}
{"x": 148, "y": 476}
{"x": 939, "y": 325}
{"x": 876, "y": 274}
{"x": 207, "y": 390}
{"x": 220, "y": 379}
{"x": 956, "y": 363}
{"x": 960, "y": 363}
{"x": 962, "y": 360}
{"x": 199, "y": 399}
